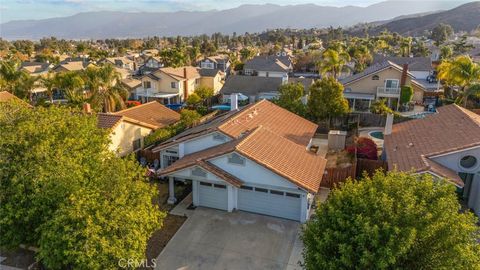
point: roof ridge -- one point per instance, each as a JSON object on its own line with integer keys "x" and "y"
{"x": 240, "y": 113}
{"x": 250, "y": 133}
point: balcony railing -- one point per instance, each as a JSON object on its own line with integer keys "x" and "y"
{"x": 388, "y": 91}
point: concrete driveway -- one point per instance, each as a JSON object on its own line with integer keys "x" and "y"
{"x": 212, "y": 239}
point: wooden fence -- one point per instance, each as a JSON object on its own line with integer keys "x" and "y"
{"x": 334, "y": 176}
{"x": 369, "y": 166}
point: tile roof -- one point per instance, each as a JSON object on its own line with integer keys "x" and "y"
{"x": 264, "y": 112}
{"x": 151, "y": 114}
{"x": 412, "y": 144}
{"x": 372, "y": 70}
{"x": 6, "y": 96}
{"x": 108, "y": 120}
{"x": 132, "y": 83}
{"x": 179, "y": 73}
{"x": 277, "y": 153}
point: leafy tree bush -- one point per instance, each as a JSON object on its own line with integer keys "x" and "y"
{"x": 365, "y": 148}
{"x": 379, "y": 107}
{"x": 193, "y": 99}
{"x": 291, "y": 98}
{"x": 406, "y": 94}
{"x": 204, "y": 92}
{"x": 393, "y": 221}
{"x": 326, "y": 99}
{"x": 189, "y": 117}
{"x": 63, "y": 191}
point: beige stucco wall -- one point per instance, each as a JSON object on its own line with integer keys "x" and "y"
{"x": 368, "y": 86}
{"x": 215, "y": 83}
{"x": 417, "y": 94}
{"x": 123, "y": 135}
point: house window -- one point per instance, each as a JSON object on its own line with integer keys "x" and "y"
{"x": 468, "y": 162}
{"x": 197, "y": 81}
{"x": 147, "y": 84}
{"x": 205, "y": 184}
{"x": 246, "y": 187}
{"x": 391, "y": 84}
{"x": 219, "y": 186}
{"x": 264, "y": 190}
{"x": 169, "y": 160}
{"x": 293, "y": 195}
{"x": 236, "y": 159}
{"x": 375, "y": 77}
{"x": 219, "y": 137}
{"x": 276, "y": 192}
{"x": 199, "y": 172}
{"x": 173, "y": 84}
{"x": 137, "y": 144}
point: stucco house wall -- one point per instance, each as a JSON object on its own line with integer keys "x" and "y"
{"x": 368, "y": 86}
{"x": 123, "y": 136}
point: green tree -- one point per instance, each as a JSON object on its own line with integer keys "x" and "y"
{"x": 173, "y": 57}
{"x": 72, "y": 84}
{"x": 106, "y": 91}
{"x": 11, "y": 75}
{"x": 204, "y": 92}
{"x": 380, "y": 107}
{"x": 291, "y": 98}
{"x": 462, "y": 72}
{"x": 188, "y": 118}
{"x": 446, "y": 52}
{"x": 66, "y": 193}
{"x": 193, "y": 100}
{"x": 333, "y": 62}
{"x": 406, "y": 94}
{"x": 326, "y": 99}
{"x": 392, "y": 221}
{"x": 441, "y": 33}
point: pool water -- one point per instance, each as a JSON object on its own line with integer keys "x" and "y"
{"x": 377, "y": 134}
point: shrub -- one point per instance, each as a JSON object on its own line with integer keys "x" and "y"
{"x": 366, "y": 148}
{"x": 392, "y": 221}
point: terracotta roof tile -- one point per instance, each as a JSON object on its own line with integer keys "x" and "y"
{"x": 107, "y": 120}
{"x": 277, "y": 153}
{"x": 152, "y": 113}
{"x": 452, "y": 128}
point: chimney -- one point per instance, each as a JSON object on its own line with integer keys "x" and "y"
{"x": 87, "y": 108}
{"x": 185, "y": 72}
{"x": 134, "y": 63}
{"x": 403, "y": 80}
{"x": 234, "y": 102}
{"x": 388, "y": 125}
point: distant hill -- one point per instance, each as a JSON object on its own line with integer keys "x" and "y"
{"x": 463, "y": 18}
{"x": 246, "y": 18}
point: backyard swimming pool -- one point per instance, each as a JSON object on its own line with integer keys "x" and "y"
{"x": 377, "y": 134}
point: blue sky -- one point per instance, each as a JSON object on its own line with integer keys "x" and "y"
{"x": 40, "y": 9}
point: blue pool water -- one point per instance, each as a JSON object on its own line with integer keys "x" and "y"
{"x": 221, "y": 107}
{"x": 377, "y": 134}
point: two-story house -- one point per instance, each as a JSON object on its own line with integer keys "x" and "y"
{"x": 255, "y": 159}
{"x": 174, "y": 85}
{"x": 268, "y": 66}
{"x": 380, "y": 81}
{"x": 120, "y": 62}
{"x": 219, "y": 62}
{"x": 151, "y": 64}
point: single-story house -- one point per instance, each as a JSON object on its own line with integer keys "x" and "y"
{"x": 445, "y": 144}
{"x": 257, "y": 88}
{"x": 36, "y": 68}
{"x": 129, "y": 127}
{"x": 255, "y": 159}
{"x": 268, "y": 66}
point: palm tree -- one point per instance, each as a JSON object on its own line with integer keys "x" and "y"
{"x": 361, "y": 56}
{"x": 333, "y": 62}
{"x": 106, "y": 91}
{"x": 49, "y": 82}
{"x": 73, "y": 85}
{"x": 461, "y": 72}
{"x": 25, "y": 87}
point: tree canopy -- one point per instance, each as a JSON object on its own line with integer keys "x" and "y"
{"x": 291, "y": 98}
{"x": 392, "y": 221}
{"x": 66, "y": 193}
{"x": 326, "y": 99}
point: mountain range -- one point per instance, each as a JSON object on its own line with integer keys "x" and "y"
{"x": 463, "y": 18}
{"x": 245, "y": 18}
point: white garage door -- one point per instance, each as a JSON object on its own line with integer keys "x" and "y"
{"x": 212, "y": 195}
{"x": 269, "y": 202}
